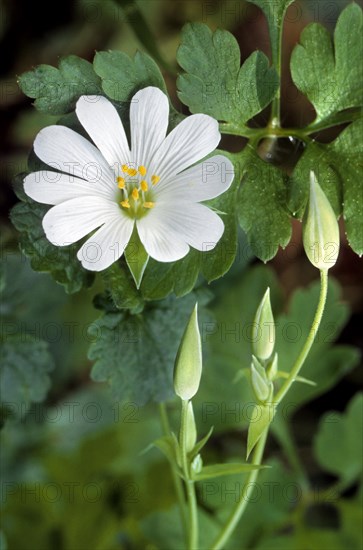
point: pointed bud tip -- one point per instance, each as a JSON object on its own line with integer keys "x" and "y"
{"x": 263, "y": 333}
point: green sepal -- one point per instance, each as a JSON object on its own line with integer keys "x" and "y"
{"x": 218, "y": 470}
{"x": 136, "y": 257}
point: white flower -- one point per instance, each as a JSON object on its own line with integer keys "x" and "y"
{"x": 109, "y": 187}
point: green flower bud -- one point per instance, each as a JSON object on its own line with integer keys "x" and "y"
{"x": 188, "y": 362}
{"x": 191, "y": 429}
{"x": 263, "y": 333}
{"x": 261, "y": 386}
{"x": 271, "y": 368}
{"x": 320, "y": 228}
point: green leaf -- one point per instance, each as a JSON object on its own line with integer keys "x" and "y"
{"x": 326, "y": 364}
{"x": 136, "y": 257}
{"x": 274, "y": 12}
{"x": 24, "y": 373}
{"x": 316, "y": 157}
{"x": 135, "y": 354}
{"x": 339, "y": 170}
{"x": 344, "y": 459}
{"x": 121, "y": 288}
{"x": 122, "y": 76}
{"x": 261, "y": 418}
{"x": 214, "y": 82}
{"x": 346, "y": 152}
{"x": 231, "y": 468}
{"x": 261, "y": 206}
{"x": 60, "y": 262}
{"x": 331, "y": 76}
{"x": 160, "y": 279}
{"x": 57, "y": 90}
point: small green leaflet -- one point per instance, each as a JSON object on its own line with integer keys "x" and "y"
{"x": 215, "y": 83}
{"x": 231, "y": 468}
{"x": 331, "y": 75}
{"x": 57, "y": 90}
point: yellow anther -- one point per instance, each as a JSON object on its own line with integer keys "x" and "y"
{"x": 142, "y": 170}
{"x": 144, "y": 185}
{"x": 125, "y": 203}
{"x": 155, "y": 179}
{"x": 125, "y": 168}
{"x": 121, "y": 182}
{"x": 149, "y": 204}
{"x": 135, "y": 194}
{"x": 132, "y": 172}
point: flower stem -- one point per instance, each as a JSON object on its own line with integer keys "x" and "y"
{"x": 309, "y": 341}
{"x": 176, "y": 479}
{"x": 190, "y": 488}
{"x": 259, "y": 449}
{"x": 240, "y": 508}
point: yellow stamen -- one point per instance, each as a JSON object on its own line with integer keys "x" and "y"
{"x": 125, "y": 203}
{"x": 125, "y": 168}
{"x": 121, "y": 182}
{"x": 132, "y": 172}
{"x": 155, "y": 179}
{"x": 149, "y": 204}
{"x": 142, "y": 170}
{"x": 135, "y": 194}
{"x": 144, "y": 185}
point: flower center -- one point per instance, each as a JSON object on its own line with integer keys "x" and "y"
{"x": 136, "y": 190}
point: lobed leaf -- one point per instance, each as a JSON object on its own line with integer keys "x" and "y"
{"x": 56, "y": 91}
{"x": 331, "y": 75}
{"x": 214, "y": 83}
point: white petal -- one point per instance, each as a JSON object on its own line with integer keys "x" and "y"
{"x": 192, "y": 140}
{"x": 149, "y": 118}
{"x": 53, "y": 188}
{"x": 194, "y": 223}
{"x": 201, "y": 182}
{"x": 68, "y": 152}
{"x": 160, "y": 240}
{"x": 69, "y": 221}
{"x": 102, "y": 123}
{"x": 106, "y": 245}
